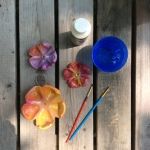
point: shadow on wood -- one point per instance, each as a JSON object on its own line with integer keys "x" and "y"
{"x": 7, "y": 135}
{"x": 143, "y": 17}
{"x": 145, "y": 132}
{"x": 65, "y": 38}
{"x": 85, "y": 56}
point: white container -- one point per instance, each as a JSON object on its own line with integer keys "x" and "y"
{"x": 80, "y": 30}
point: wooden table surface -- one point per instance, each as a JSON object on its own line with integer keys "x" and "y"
{"x": 123, "y": 121}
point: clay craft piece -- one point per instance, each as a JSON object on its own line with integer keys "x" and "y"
{"x": 42, "y": 56}
{"x": 42, "y": 105}
{"x": 77, "y": 75}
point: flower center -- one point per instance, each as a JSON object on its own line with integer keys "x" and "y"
{"x": 45, "y": 56}
{"x": 77, "y": 75}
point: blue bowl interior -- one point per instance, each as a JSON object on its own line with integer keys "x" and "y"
{"x": 110, "y": 54}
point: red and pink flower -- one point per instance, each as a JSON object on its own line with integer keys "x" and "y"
{"x": 77, "y": 74}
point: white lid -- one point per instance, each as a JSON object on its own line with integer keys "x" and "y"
{"x": 81, "y": 28}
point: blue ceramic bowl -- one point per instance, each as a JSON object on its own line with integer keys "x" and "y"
{"x": 109, "y": 54}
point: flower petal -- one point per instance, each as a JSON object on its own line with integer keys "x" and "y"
{"x": 67, "y": 74}
{"x": 47, "y": 45}
{"x": 46, "y": 65}
{"x": 84, "y": 69}
{"x": 42, "y": 49}
{"x": 48, "y": 60}
{"x": 35, "y": 62}
{"x": 57, "y": 107}
{"x": 53, "y": 109}
{"x": 61, "y": 109}
{"x": 48, "y": 93}
{"x": 33, "y": 96}
{"x": 84, "y": 80}
{"x": 73, "y": 66}
{"x": 51, "y": 56}
{"x": 44, "y": 119}
{"x": 73, "y": 83}
{"x": 53, "y": 89}
{"x": 34, "y": 51}
{"x": 29, "y": 111}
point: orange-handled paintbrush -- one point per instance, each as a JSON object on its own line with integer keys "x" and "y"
{"x": 79, "y": 113}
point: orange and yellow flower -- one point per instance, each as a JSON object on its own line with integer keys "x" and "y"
{"x": 43, "y": 104}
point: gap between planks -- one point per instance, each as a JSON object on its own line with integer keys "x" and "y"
{"x": 133, "y": 76}
{"x": 95, "y": 115}
{"x": 17, "y": 73}
{"x": 56, "y": 12}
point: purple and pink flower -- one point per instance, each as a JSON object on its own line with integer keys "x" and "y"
{"x": 42, "y": 56}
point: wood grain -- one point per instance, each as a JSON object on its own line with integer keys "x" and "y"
{"x": 114, "y": 116}
{"x": 143, "y": 76}
{"x": 36, "y": 24}
{"x": 68, "y": 10}
{"x": 8, "y": 118}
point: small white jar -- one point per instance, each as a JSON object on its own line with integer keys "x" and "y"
{"x": 80, "y": 30}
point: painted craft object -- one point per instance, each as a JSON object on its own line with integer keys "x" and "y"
{"x": 42, "y": 105}
{"x": 42, "y": 56}
{"x": 77, "y": 75}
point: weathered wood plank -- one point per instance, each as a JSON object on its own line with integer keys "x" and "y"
{"x": 114, "y": 116}
{"x": 143, "y": 76}
{"x": 36, "y": 24}
{"x": 8, "y": 118}
{"x": 68, "y": 10}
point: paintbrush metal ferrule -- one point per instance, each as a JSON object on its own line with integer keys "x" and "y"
{"x": 89, "y": 91}
{"x": 104, "y": 93}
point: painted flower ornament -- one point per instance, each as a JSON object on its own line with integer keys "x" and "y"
{"x": 42, "y": 105}
{"x": 42, "y": 56}
{"x": 77, "y": 74}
